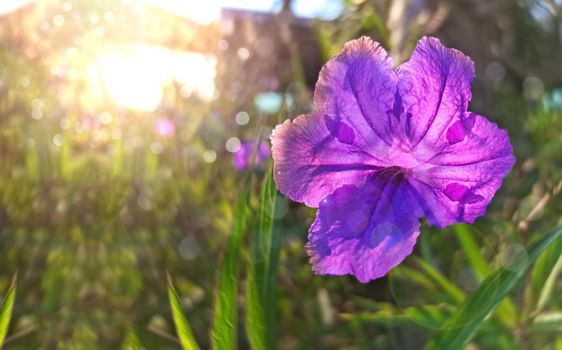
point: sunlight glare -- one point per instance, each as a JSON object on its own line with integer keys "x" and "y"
{"x": 136, "y": 78}
{"x": 201, "y": 12}
{"x": 8, "y": 6}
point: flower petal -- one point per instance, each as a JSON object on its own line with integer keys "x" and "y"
{"x": 364, "y": 231}
{"x": 357, "y": 87}
{"x": 434, "y": 86}
{"x": 460, "y": 180}
{"x": 313, "y": 155}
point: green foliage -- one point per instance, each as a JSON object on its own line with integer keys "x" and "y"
{"x": 6, "y": 310}
{"x": 261, "y": 286}
{"x": 427, "y": 317}
{"x": 462, "y": 326}
{"x": 506, "y": 310}
{"x": 545, "y": 273}
{"x": 548, "y": 322}
{"x": 132, "y": 341}
{"x": 454, "y": 293}
{"x": 224, "y": 332}
{"x": 183, "y": 330}
{"x": 471, "y": 249}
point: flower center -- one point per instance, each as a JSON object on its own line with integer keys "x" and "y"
{"x": 393, "y": 173}
{"x": 403, "y": 158}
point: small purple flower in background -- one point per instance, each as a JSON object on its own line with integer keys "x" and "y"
{"x": 90, "y": 121}
{"x": 165, "y": 127}
{"x": 250, "y": 154}
{"x": 384, "y": 149}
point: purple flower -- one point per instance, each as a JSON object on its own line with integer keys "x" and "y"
{"x": 384, "y": 149}
{"x": 250, "y": 154}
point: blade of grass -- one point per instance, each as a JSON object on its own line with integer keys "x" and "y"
{"x": 548, "y": 322}
{"x": 132, "y": 341}
{"x": 428, "y": 317}
{"x": 425, "y": 248}
{"x": 470, "y": 248}
{"x": 544, "y": 273}
{"x": 180, "y": 321}
{"x": 223, "y": 334}
{"x": 261, "y": 292}
{"x": 408, "y": 274}
{"x": 462, "y": 326}
{"x": 454, "y": 292}
{"x": 548, "y": 287}
{"x": 506, "y": 310}
{"x": 272, "y": 239}
{"x": 7, "y": 308}
{"x": 255, "y": 314}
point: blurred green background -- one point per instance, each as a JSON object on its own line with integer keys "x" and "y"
{"x": 118, "y": 125}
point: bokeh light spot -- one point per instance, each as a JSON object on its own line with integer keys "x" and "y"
{"x": 209, "y": 156}
{"x": 242, "y": 118}
{"x": 156, "y": 147}
{"x": 233, "y": 144}
{"x": 58, "y": 20}
{"x": 58, "y": 140}
{"x": 495, "y": 71}
{"x": 106, "y": 118}
{"x": 189, "y": 248}
{"x": 243, "y": 53}
{"x": 533, "y": 88}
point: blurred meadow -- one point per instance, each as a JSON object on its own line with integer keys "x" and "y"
{"x": 120, "y": 127}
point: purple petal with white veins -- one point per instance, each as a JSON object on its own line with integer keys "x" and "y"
{"x": 357, "y": 88}
{"x": 458, "y": 182}
{"x": 435, "y": 90}
{"x": 314, "y": 155}
{"x": 365, "y": 231}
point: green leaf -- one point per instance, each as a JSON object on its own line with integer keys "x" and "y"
{"x": 544, "y": 274}
{"x": 255, "y": 314}
{"x": 6, "y": 310}
{"x": 548, "y": 321}
{"x": 549, "y": 284}
{"x": 408, "y": 274}
{"x": 462, "y": 326}
{"x": 506, "y": 310}
{"x": 454, "y": 292}
{"x": 180, "y": 321}
{"x": 261, "y": 291}
{"x": 132, "y": 341}
{"x": 223, "y": 334}
{"x": 471, "y": 250}
{"x": 369, "y": 304}
{"x": 428, "y": 317}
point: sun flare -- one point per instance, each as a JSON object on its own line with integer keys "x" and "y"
{"x": 136, "y": 78}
